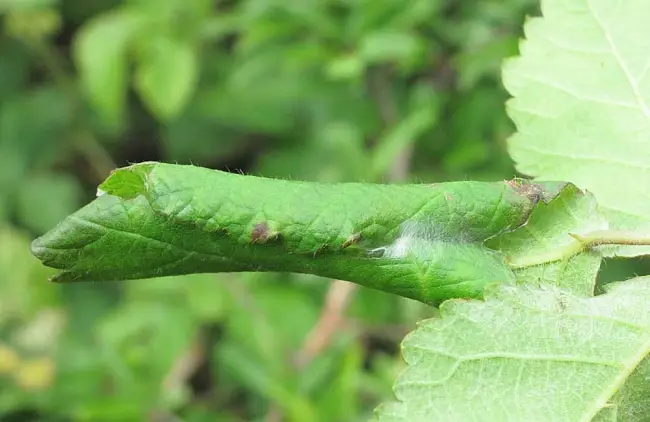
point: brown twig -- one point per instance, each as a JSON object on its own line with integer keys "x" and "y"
{"x": 388, "y": 332}
{"x": 180, "y": 372}
{"x": 186, "y": 364}
{"x": 400, "y": 169}
{"x": 331, "y": 317}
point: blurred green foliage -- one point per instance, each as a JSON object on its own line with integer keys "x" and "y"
{"x": 333, "y": 90}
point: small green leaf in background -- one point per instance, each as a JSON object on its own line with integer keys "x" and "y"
{"x": 348, "y": 66}
{"x": 581, "y": 105}
{"x": 33, "y": 25}
{"x": 14, "y": 67}
{"x": 402, "y": 136}
{"x": 166, "y": 75}
{"x": 25, "y": 146}
{"x": 22, "y": 295}
{"x": 100, "y": 52}
{"x": 482, "y": 60}
{"x": 389, "y": 46}
{"x": 43, "y": 200}
{"x": 17, "y": 5}
{"x": 527, "y": 354}
{"x": 210, "y": 137}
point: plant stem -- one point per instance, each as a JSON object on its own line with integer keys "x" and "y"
{"x": 611, "y": 237}
{"x": 556, "y": 254}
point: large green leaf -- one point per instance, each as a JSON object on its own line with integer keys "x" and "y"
{"x": 420, "y": 241}
{"x": 582, "y": 103}
{"x": 529, "y": 354}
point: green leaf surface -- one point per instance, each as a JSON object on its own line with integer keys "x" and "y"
{"x": 420, "y": 241}
{"x": 529, "y": 354}
{"x": 166, "y": 75}
{"x": 581, "y": 103}
{"x": 631, "y": 401}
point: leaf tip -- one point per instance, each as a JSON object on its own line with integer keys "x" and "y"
{"x": 62, "y": 277}
{"x": 37, "y": 248}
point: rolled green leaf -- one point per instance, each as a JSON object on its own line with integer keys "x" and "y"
{"x": 424, "y": 241}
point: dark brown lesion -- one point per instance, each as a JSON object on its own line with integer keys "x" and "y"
{"x": 530, "y": 190}
{"x": 321, "y": 249}
{"x": 538, "y": 191}
{"x": 261, "y": 233}
{"x": 351, "y": 240}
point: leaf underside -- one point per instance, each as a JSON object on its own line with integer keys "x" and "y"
{"x": 529, "y": 354}
{"x": 582, "y": 105}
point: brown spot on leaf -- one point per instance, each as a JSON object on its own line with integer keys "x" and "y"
{"x": 351, "y": 240}
{"x": 320, "y": 249}
{"x": 261, "y": 233}
{"x": 532, "y": 191}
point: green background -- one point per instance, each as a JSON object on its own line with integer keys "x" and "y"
{"x": 328, "y": 90}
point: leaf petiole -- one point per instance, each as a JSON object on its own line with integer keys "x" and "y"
{"x": 554, "y": 255}
{"x": 611, "y": 237}
{"x": 587, "y": 241}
